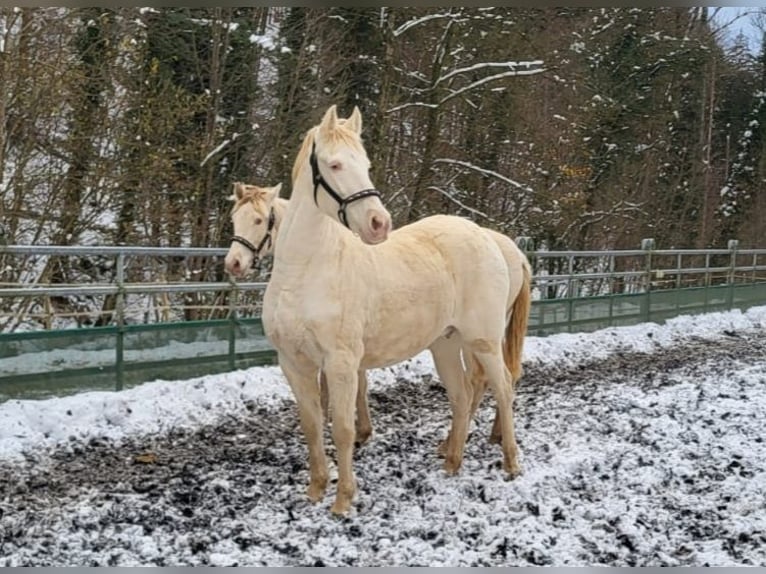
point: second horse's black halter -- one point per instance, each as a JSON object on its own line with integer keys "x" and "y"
{"x": 266, "y": 239}
{"x": 343, "y": 202}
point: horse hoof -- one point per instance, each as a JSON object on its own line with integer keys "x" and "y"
{"x": 452, "y": 467}
{"x": 340, "y": 508}
{"x": 362, "y": 438}
{"x": 513, "y": 470}
{"x": 315, "y": 492}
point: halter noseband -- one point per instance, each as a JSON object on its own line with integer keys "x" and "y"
{"x": 266, "y": 238}
{"x": 342, "y": 202}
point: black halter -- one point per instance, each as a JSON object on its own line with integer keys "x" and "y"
{"x": 343, "y": 202}
{"x": 266, "y": 238}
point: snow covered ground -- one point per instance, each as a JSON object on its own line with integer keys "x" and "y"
{"x": 640, "y": 445}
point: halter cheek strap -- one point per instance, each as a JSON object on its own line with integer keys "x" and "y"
{"x": 266, "y": 239}
{"x": 342, "y": 202}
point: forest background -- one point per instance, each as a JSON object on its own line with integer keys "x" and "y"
{"x": 580, "y": 128}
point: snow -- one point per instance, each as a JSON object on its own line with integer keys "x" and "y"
{"x": 575, "y": 348}
{"x": 483, "y": 171}
{"x": 610, "y": 465}
{"x": 218, "y": 148}
{"x": 265, "y": 41}
{"x": 534, "y": 64}
{"x": 418, "y": 21}
{"x": 151, "y": 408}
{"x": 78, "y": 356}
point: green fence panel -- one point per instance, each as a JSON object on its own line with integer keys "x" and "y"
{"x": 592, "y": 313}
{"x": 749, "y": 295}
{"x": 47, "y": 363}
{"x": 54, "y": 363}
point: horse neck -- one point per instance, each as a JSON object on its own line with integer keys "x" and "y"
{"x": 305, "y": 231}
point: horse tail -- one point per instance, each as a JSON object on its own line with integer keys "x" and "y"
{"x": 516, "y": 329}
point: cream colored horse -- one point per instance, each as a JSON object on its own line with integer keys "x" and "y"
{"x": 341, "y": 305}
{"x": 256, "y": 217}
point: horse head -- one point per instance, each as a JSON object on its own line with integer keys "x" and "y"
{"x": 340, "y": 178}
{"x": 254, "y": 220}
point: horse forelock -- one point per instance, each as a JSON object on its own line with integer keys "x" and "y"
{"x": 254, "y": 196}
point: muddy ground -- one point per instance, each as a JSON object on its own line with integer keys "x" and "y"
{"x": 640, "y": 459}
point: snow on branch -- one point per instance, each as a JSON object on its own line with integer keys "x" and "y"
{"x": 418, "y": 21}
{"x": 218, "y": 149}
{"x": 467, "y": 88}
{"x": 488, "y": 172}
{"x": 624, "y": 209}
{"x": 460, "y": 204}
{"x": 536, "y": 66}
{"x": 483, "y": 81}
{"x": 411, "y": 105}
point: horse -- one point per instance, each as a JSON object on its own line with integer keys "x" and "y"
{"x": 256, "y": 217}
{"x": 340, "y": 305}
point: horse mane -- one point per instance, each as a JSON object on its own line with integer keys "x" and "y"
{"x": 340, "y": 135}
{"x": 280, "y": 203}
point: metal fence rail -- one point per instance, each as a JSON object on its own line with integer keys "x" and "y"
{"x": 206, "y": 324}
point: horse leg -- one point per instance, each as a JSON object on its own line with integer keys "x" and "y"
{"x": 363, "y": 423}
{"x": 303, "y": 382}
{"x": 479, "y": 382}
{"x": 477, "y": 385}
{"x": 342, "y": 382}
{"x": 446, "y": 354}
{"x": 496, "y": 434}
{"x": 491, "y": 360}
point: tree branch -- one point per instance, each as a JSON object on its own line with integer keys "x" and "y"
{"x": 487, "y": 172}
{"x": 512, "y": 65}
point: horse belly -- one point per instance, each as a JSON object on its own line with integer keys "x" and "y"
{"x": 403, "y": 334}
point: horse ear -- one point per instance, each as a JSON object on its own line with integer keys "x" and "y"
{"x": 239, "y": 191}
{"x": 330, "y": 119}
{"x": 271, "y": 193}
{"x": 355, "y": 120}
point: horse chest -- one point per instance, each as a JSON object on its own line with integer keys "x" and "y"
{"x": 293, "y": 320}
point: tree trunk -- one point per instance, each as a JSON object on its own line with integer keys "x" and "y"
{"x": 417, "y": 207}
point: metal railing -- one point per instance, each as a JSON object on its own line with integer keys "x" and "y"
{"x": 212, "y": 323}
{"x": 579, "y": 290}
{"x": 136, "y": 274}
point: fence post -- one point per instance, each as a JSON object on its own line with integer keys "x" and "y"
{"x": 526, "y": 244}
{"x": 647, "y": 245}
{"x": 570, "y": 294}
{"x": 611, "y": 290}
{"x": 233, "y": 303}
{"x": 119, "y": 307}
{"x": 732, "y": 246}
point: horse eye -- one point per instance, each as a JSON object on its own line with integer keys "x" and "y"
{"x": 258, "y": 220}
{"x": 335, "y": 166}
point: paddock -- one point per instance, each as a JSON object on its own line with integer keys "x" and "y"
{"x": 642, "y": 445}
